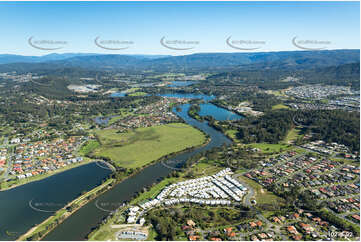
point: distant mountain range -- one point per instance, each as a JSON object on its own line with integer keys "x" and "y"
{"x": 7, "y": 58}
{"x": 289, "y": 60}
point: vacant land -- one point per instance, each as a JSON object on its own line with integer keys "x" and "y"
{"x": 292, "y": 135}
{"x": 269, "y": 148}
{"x": 88, "y": 147}
{"x": 141, "y": 146}
{"x": 136, "y": 94}
{"x": 261, "y": 195}
{"x": 279, "y": 106}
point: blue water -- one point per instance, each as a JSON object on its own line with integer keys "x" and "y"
{"x": 117, "y": 94}
{"x": 19, "y": 205}
{"x": 218, "y": 113}
{"x": 181, "y": 83}
{"x": 206, "y": 98}
{"x": 210, "y": 109}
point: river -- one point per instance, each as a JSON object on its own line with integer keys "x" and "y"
{"x": 32, "y": 203}
{"x": 24, "y": 206}
{"x": 78, "y": 225}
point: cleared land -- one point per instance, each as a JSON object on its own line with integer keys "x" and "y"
{"x": 279, "y": 106}
{"x": 269, "y": 148}
{"x": 262, "y": 196}
{"x": 141, "y": 146}
{"x": 135, "y": 94}
{"x": 292, "y": 135}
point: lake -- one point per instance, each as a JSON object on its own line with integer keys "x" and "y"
{"x": 118, "y": 94}
{"x": 204, "y": 97}
{"x": 32, "y": 203}
{"x": 218, "y": 113}
{"x": 210, "y": 109}
{"x": 181, "y": 83}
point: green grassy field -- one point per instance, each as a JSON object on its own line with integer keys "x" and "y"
{"x": 262, "y": 196}
{"x": 233, "y": 134}
{"x": 292, "y": 135}
{"x": 137, "y": 94}
{"x": 89, "y": 147}
{"x": 141, "y": 146}
{"x": 269, "y": 148}
{"x": 279, "y": 106}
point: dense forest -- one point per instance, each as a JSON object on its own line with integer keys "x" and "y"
{"x": 273, "y": 79}
{"x": 329, "y": 125}
{"x": 271, "y": 127}
{"x": 333, "y": 126}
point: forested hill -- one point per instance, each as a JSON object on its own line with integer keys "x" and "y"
{"x": 345, "y": 74}
{"x": 285, "y": 60}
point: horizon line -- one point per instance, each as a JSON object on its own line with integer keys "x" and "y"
{"x": 174, "y": 55}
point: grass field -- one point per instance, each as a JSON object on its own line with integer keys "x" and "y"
{"x": 262, "y": 196}
{"x": 141, "y": 146}
{"x": 89, "y": 147}
{"x": 279, "y": 106}
{"x": 269, "y": 148}
{"x": 292, "y": 135}
{"x": 137, "y": 94}
{"x": 232, "y": 133}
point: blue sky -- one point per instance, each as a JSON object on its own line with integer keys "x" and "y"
{"x": 271, "y": 24}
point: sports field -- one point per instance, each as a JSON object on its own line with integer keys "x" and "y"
{"x": 141, "y": 146}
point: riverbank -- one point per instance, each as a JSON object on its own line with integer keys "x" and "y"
{"x": 40, "y": 231}
{"x": 19, "y": 182}
{"x": 244, "y": 114}
{"x": 106, "y": 231}
{"x": 125, "y": 191}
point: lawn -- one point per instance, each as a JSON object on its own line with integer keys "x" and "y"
{"x": 262, "y": 196}
{"x": 269, "y": 148}
{"x": 292, "y": 135}
{"x": 233, "y": 134}
{"x": 143, "y": 145}
{"x": 137, "y": 94}
{"x": 154, "y": 190}
{"x": 279, "y": 106}
{"x": 89, "y": 147}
